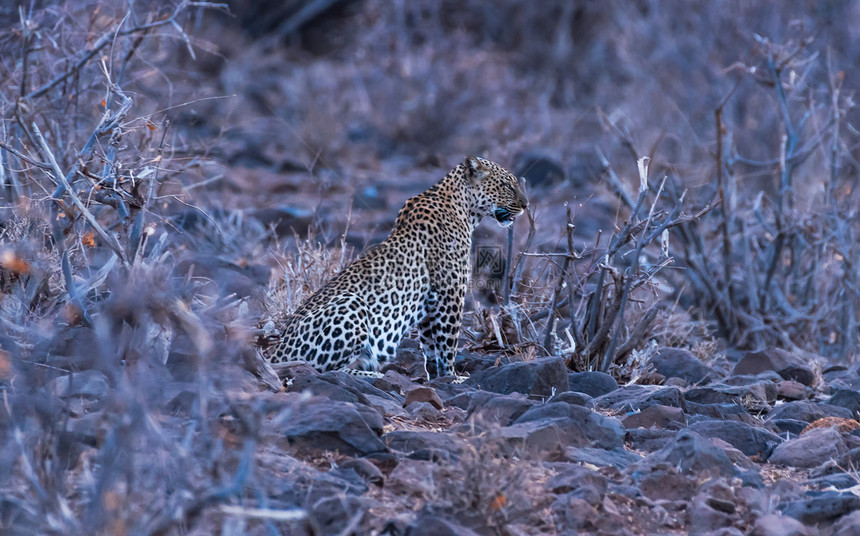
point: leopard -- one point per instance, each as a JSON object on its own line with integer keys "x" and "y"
{"x": 418, "y": 276}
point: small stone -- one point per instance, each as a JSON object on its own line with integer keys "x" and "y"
{"x": 656, "y": 416}
{"x": 593, "y": 384}
{"x": 679, "y": 363}
{"x": 423, "y": 394}
{"x": 821, "y": 507}
{"x": 847, "y": 399}
{"x": 572, "y": 397}
{"x": 791, "y": 390}
{"x": 750, "y": 440}
{"x": 779, "y": 525}
{"x": 424, "y": 411}
{"x": 536, "y": 378}
{"x": 413, "y": 477}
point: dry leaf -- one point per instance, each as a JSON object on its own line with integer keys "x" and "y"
{"x": 12, "y": 262}
{"x": 89, "y": 239}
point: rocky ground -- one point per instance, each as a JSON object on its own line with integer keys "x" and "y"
{"x": 531, "y": 448}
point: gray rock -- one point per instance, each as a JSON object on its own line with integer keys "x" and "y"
{"x": 667, "y": 484}
{"x": 593, "y": 384}
{"x": 599, "y": 430}
{"x": 821, "y": 507}
{"x": 581, "y": 482}
{"x": 792, "y": 426}
{"x": 679, "y": 363}
{"x": 847, "y": 399}
{"x": 495, "y": 408}
{"x": 656, "y": 416}
{"x": 802, "y": 410}
{"x": 774, "y": 359}
{"x": 811, "y": 449}
{"x": 572, "y": 397}
{"x": 649, "y": 439}
{"x": 848, "y": 525}
{"x": 364, "y": 469}
{"x": 413, "y": 477}
{"x": 330, "y": 425}
{"x": 759, "y": 395}
{"x": 538, "y": 378}
{"x": 787, "y": 365}
{"x": 779, "y": 525}
{"x": 619, "y": 458}
{"x": 690, "y": 452}
{"x": 750, "y": 440}
{"x": 553, "y": 435}
{"x": 723, "y": 412}
{"x": 634, "y": 397}
{"x": 408, "y": 442}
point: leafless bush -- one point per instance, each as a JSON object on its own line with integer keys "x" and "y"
{"x": 782, "y": 269}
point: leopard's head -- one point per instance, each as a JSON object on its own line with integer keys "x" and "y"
{"x": 495, "y": 190}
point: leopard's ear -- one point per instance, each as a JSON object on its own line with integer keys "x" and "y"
{"x": 475, "y": 168}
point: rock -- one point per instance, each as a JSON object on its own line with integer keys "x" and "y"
{"x": 413, "y": 477}
{"x": 550, "y": 435}
{"x": 656, "y": 417}
{"x": 798, "y": 373}
{"x": 538, "y": 378}
{"x": 791, "y": 426}
{"x": 723, "y": 412}
{"x": 849, "y": 400}
{"x": 784, "y": 363}
{"x": 393, "y": 381}
{"x": 758, "y": 396}
{"x": 492, "y": 407}
{"x": 802, "y": 410}
{"x": 619, "y": 458}
{"x": 572, "y": 397}
{"x": 690, "y": 452}
{"x": 331, "y": 515}
{"x": 331, "y": 425}
{"x": 427, "y": 525}
{"x": 775, "y": 359}
{"x": 811, "y": 449}
{"x": 821, "y": 507}
{"x": 593, "y": 384}
{"x": 434, "y": 444}
{"x": 792, "y": 390}
{"x": 667, "y": 485}
{"x": 678, "y": 363}
{"x": 750, "y": 440}
{"x": 424, "y": 411}
{"x": 581, "y": 482}
{"x": 573, "y": 515}
{"x": 423, "y": 394}
{"x": 847, "y": 525}
{"x": 87, "y": 383}
{"x": 315, "y": 385}
{"x": 598, "y": 430}
{"x": 779, "y": 525}
{"x": 649, "y": 439}
{"x": 364, "y": 469}
{"x": 634, "y": 397}
{"x": 706, "y": 515}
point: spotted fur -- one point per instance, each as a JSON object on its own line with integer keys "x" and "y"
{"x": 417, "y": 276}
